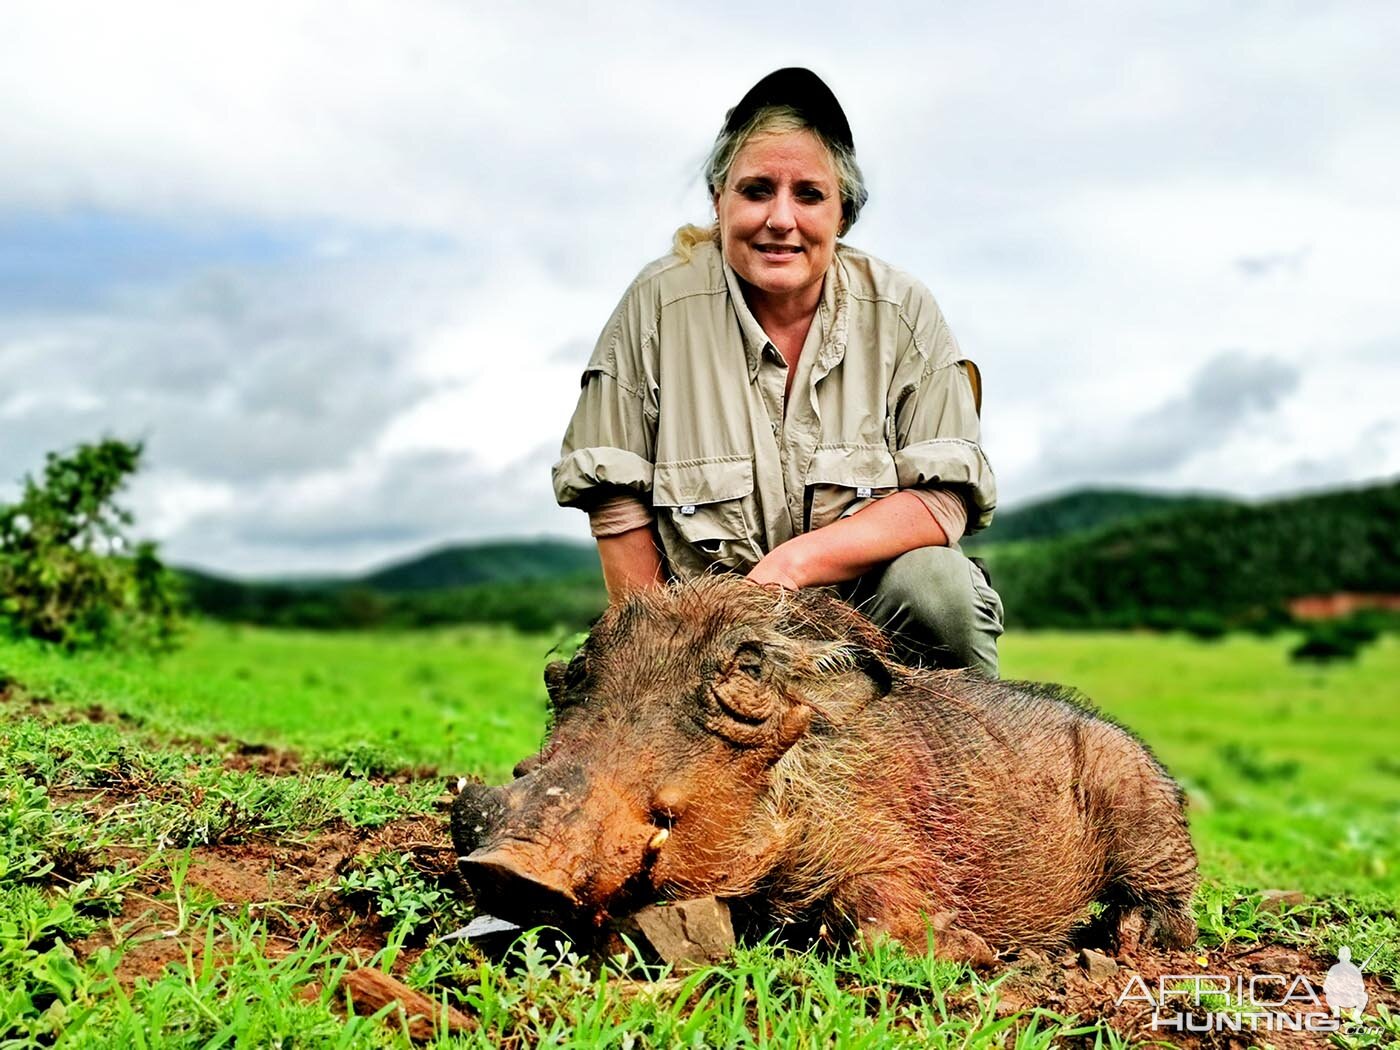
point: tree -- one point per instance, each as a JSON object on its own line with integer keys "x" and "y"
{"x": 68, "y": 572}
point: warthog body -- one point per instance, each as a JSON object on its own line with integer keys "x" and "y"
{"x": 722, "y": 738}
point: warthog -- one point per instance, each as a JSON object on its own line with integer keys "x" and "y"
{"x": 724, "y": 738}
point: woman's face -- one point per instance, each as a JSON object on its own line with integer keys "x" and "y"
{"x": 779, "y": 212}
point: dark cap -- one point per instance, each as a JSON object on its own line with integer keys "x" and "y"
{"x": 805, "y": 92}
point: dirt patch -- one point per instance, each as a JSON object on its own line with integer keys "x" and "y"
{"x": 84, "y": 797}
{"x": 268, "y": 760}
{"x": 425, "y": 837}
{"x": 150, "y": 944}
{"x": 259, "y": 758}
{"x": 293, "y": 885}
{"x": 21, "y": 703}
{"x": 260, "y": 875}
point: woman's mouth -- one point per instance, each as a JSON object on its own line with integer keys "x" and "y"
{"x": 779, "y": 251}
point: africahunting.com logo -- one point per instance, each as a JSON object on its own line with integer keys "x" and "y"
{"x": 1266, "y": 1002}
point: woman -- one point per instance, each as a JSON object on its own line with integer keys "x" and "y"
{"x": 769, "y": 401}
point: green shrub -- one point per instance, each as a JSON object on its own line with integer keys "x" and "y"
{"x": 1325, "y": 642}
{"x": 1362, "y": 627}
{"x": 391, "y": 884}
{"x": 68, "y": 572}
{"x": 1206, "y": 626}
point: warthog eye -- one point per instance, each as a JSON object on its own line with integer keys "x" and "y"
{"x": 748, "y": 659}
{"x": 743, "y": 706}
{"x": 742, "y": 702}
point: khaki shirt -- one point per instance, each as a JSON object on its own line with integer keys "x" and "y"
{"x": 682, "y": 404}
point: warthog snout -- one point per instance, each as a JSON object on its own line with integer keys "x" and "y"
{"x": 534, "y": 844}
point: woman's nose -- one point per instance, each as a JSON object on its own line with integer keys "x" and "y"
{"x": 780, "y": 214}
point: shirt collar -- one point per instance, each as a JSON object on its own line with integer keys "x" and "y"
{"x": 831, "y": 315}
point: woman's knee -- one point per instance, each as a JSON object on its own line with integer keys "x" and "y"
{"x": 934, "y": 579}
{"x": 938, "y": 597}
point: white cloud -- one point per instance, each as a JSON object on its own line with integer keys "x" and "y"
{"x": 1104, "y": 198}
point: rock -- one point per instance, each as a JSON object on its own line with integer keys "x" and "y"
{"x": 1277, "y": 900}
{"x": 479, "y": 927}
{"x": 1099, "y": 966}
{"x": 1032, "y": 965}
{"x": 1279, "y": 961}
{"x": 687, "y": 933}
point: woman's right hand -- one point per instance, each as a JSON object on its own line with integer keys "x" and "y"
{"x": 851, "y": 547}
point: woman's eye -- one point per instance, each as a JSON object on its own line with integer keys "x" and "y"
{"x": 755, "y": 193}
{"x": 812, "y": 196}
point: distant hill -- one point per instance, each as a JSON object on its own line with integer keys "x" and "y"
{"x": 532, "y": 584}
{"x": 1085, "y": 509}
{"x": 505, "y": 561}
{"x": 497, "y": 562}
{"x": 1092, "y": 558}
{"x": 1238, "y": 562}
{"x": 459, "y": 565}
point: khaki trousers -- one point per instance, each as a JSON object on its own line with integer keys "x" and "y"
{"x": 937, "y": 606}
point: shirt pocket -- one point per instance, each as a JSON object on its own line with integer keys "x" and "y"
{"x": 704, "y": 511}
{"x": 844, "y": 478}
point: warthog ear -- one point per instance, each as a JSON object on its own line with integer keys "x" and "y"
{"x": 830, "y": 661}
{"x": 875, "y": 668}
{"x": 554, "y": 681}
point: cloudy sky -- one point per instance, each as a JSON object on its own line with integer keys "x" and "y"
{"x": 339, "y": 265}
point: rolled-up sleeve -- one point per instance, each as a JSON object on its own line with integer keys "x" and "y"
{"x": 936, "y": 426}
{"x": 609, "y": 446}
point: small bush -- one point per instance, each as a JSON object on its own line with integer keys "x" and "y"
{"x": 1362, "y": 627}
{"x": 1324, "y": 642}
{"x": 1206, "y": 626}
{"x": 68, "y": 572}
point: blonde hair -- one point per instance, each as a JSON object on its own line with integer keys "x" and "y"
{"x": 689, "y": 237}
{"x": 773, "y": 120}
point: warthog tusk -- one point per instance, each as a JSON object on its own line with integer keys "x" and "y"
{"x": 660, "y": 837}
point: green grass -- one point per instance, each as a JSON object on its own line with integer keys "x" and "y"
{"x": 1293, "y": 776}
{"x": 464, "y": 700}
{"x": 1292, "y": 772}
